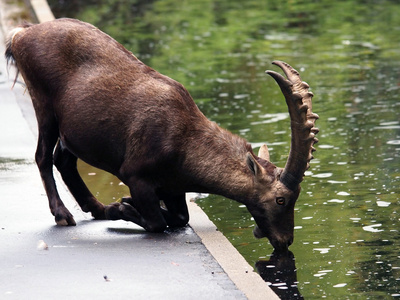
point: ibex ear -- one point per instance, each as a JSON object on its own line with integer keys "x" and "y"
{"x": 263, "y": 152}
{"x": 253, "y": 165}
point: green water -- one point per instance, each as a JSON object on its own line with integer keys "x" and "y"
{"x": 347, "y": 240}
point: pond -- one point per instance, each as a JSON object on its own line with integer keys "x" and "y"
{"x": 347, "y": 218}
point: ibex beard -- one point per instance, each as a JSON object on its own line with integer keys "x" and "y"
{"x": 96, "y": 101}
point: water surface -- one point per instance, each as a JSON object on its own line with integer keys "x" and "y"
{"x": 347, "y": 237}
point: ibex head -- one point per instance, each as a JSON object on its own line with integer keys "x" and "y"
{"x": 275, "y": 189}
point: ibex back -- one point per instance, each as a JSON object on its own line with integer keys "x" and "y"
{"x": 94, "y": 100}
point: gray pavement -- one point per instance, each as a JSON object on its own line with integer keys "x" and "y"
{"x": 98, "y": 259}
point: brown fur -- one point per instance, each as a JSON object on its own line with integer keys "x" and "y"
{"x": 106, "y": 107}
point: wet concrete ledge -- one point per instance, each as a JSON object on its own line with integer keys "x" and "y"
{"x": 232, "y": 263}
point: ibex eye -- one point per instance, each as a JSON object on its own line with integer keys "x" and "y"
{"x": 280, "y": 200}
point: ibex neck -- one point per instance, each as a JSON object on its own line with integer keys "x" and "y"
{"x": 220, "y": 164}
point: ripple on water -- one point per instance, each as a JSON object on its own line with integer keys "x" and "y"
{"x": 355, "y": 220}
{"x": 372, "y": 228}
{"x": 336, "y": 182}
{"x": 322, "y": 175}
{"x": 270, "y": 118}
{"x": 343, "y": 194}
{"x": 339, "y": 285}
{"x": 336, "y": 201}
{"x": 383, "y": 203}
{"x": 324, "y": 146}
{"x": 322, "y": 250}
{"x": 322, "y": 273}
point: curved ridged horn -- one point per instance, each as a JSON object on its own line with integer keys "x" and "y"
{"x": 298, "y": 100}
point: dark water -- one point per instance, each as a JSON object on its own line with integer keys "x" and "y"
{"x": 347, "y": 240}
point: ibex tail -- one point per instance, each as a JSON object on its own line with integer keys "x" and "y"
{"x": 9, "y": 54}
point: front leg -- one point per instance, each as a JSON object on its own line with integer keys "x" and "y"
{"x": 176, "y": 213}
{"x": 143, "y": 208}
{"x": 124, "y": 211}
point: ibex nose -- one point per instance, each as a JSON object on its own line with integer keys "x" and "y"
{"x": 282, "y": 245}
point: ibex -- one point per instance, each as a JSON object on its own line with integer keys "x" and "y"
{"x": 96, "y": 101}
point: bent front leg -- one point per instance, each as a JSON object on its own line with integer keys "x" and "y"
{"x": 143, "y": 208}
{"x": 124, "y": 211}
{"x": 176, "y": 213}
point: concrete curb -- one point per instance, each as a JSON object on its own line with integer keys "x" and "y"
{"x": 232, "y": 262}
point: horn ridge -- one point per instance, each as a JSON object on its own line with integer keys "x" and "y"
{"x": 299, "y": 102}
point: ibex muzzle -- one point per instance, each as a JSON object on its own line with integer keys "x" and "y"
{"x": 94, "y": 100}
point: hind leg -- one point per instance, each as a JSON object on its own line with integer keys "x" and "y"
{"x": 65, "y": 162}
{"x": 48, "y": 136}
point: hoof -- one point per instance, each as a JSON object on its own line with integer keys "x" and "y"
{"x": 63, "y": 217}
{"x": 113, "y": 211}
{"x": 65, "y": 222}
{"x": 127, "y": 199}
{"x": 123, "y": 210}
{"x": 96, "y": 208}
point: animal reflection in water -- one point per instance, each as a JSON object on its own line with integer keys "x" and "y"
{"x": 280, "y": 271}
